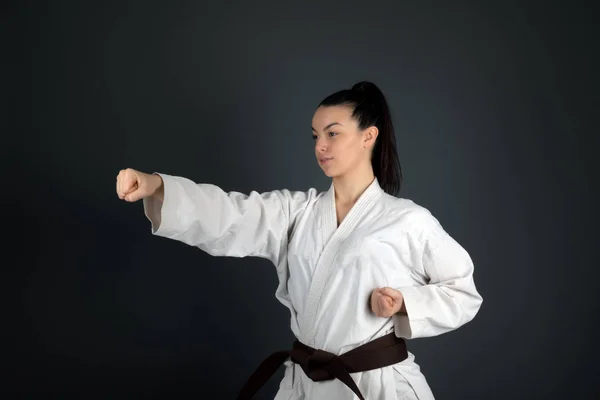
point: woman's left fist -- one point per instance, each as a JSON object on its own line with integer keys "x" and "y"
{"x": 386, "y": 302}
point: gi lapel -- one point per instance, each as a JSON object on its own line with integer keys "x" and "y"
{"x": 333, "y": 236}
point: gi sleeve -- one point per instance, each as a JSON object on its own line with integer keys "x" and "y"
{"x": 224, "y": 223}
{"x": 450, "y": 298}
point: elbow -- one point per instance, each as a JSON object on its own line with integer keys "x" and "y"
{"x": 471, "y": 307}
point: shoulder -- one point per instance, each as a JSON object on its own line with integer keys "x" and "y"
{"x": 299, "y": 196}
{"x": 405, "y": 208}
{"x": 296, "y": 202}
{"x": 414, "y": 218}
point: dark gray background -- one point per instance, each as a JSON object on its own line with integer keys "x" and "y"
{"x": 494, "y": 107}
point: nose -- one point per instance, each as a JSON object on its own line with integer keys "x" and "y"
{"x": 320, "y": 145}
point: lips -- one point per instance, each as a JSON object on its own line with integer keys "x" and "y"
{"x": 325, "y": 159}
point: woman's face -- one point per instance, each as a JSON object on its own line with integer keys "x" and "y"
{"x": 340, "y": 146}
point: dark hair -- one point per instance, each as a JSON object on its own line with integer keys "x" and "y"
{"x": 370, "y": 108}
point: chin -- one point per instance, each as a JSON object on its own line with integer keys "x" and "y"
{"x": 330, "y": 174}
{"x": 331, "y": 171}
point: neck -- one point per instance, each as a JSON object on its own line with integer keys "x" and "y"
{"x": 348, "y": 188}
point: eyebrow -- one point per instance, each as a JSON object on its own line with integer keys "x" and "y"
{"x": 329, "y": 126}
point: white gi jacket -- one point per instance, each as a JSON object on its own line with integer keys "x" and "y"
{"x": 327, "y": 273}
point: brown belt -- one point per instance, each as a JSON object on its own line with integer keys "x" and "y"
{"x": 320, "y": 365}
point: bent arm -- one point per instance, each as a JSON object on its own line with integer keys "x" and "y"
{"x": 449, "y": 299}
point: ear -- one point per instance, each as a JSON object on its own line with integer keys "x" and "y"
{"x": 370, "y": 136}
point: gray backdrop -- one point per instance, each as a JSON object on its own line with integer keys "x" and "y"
{"x": 493, "y": 105}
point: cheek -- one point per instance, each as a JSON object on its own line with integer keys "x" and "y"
{"x": 344, "y": 146}
{"x": 351, "y": 151}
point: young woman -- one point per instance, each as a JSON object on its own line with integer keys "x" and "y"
{"x": 360, "y": 269}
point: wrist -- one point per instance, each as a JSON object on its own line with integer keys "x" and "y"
{"x": 402, "y": 309}
{"x": 159, "y": 192}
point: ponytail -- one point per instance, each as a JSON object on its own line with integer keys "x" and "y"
{"x": 370, "y": 108}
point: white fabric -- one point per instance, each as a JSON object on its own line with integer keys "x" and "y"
{"x": 327, "y": 273}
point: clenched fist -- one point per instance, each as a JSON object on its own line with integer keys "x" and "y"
{"x": 134, "y": 185}
{"x": 386, "y": 302}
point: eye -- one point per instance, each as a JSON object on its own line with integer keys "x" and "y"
{"x": 332, "y": 134}
{"x": 314, "y": 137}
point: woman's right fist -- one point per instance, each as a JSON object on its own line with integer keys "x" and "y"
{"x": 134, "y": 185}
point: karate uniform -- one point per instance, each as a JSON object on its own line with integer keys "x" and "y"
{"x": 327, "y": 273}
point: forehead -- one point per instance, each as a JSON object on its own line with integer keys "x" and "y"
{"x": 326, "y": 115}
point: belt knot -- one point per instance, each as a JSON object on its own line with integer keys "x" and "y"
{"x": 317, "y": 363}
